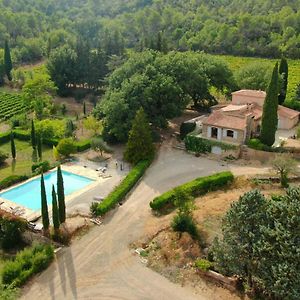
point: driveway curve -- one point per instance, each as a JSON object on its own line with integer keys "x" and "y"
{"x": 100, "y": 265}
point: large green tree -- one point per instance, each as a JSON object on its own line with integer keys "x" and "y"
{"x": 260, "y": 243}
{"x": 44, "y": 205}
{"x": 140, "y": 145}
{"x": 7, "y": 61}
{"x": 270, "y": 115}
{"x": 55, "y": 211}
{"x": 61, "y": 196}
{"x": 284, "y": 73}
{"x": 162, "y": 85}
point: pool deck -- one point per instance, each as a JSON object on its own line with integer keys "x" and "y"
{"x": 79, "y": 201}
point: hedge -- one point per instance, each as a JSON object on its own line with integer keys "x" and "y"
{"x": 4, "y": 137}
{"x": 194, "y": 188}
{"x": 256, "y": 144}
{"x": 24, "y": 135}
{"x": 201, "y": 145}
{"x": 28, "y": 262}
{"x": 39, "y": 167}
{"x": 119, "y": 193}
{"x": 83, "y": 145}
{"x": 11, "y": 180}
{"x": 186, "y": 128}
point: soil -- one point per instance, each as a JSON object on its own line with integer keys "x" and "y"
{"x": 173, "y": 255}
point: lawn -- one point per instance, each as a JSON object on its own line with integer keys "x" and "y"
{"x": 236, "y": 62}
{"x": 24, "y": 159}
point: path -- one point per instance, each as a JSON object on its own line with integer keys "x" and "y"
{"x": 100, "y": 264}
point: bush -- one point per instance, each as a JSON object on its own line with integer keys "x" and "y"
{"x": 193, "y": 188}
{"x": 256, "y": 144}
{"x": 66, "y": 147}
{"x": 27, "y": 263}
{"x": 22, "y": 135}
{"x": 185, "y": 223}
{"x": 3, "y": 157}
{"x": 203, "y": 265}
{"x": 4, "y": 137}
{"x": 51, "y": 129}
{"x": 83, "y": 145}
{"x": 11, "y": 180}
{"x": 186, "y": 128}
{"x": 11, "y": 230}
{"x": 123, "y": 188}
{"x": 200, "y": 145}
{"x": 40, "y": 167}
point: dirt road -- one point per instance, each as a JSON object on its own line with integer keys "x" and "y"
{"x": 100, "y": 264}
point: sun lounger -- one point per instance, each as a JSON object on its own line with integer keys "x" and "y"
{"x": 98, "y": 198}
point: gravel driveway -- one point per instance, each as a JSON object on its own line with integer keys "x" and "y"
{"x": 100, "y": 264}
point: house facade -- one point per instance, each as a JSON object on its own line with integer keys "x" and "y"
{"x": 239, "y": 121}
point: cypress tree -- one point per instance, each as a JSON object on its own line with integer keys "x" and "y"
{"x": 40, "y": 148}
{"x": 270, "y": 116}
{"x": 33, "y": 136}
{"x": 61, "y": 196}
{"x": 139, "y": 146}
{"x": 284, "y": 72}
{"x": 84, "y": 108}
{"x": 55, "y": 213}
{"x": 44, "y": 206}
{"x": 12, "y": 145}
{"x": 7, "y": 61}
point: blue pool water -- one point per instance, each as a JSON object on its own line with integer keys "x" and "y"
{"x": 29, "y": 194}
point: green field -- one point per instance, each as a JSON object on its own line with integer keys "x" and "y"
{"x": 24, "y": 159}
{"x": 11, "y": 104}
{"x": 236, "y": 62}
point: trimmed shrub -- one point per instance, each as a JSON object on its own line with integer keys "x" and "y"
{"x": 27, "y": 263}
{"x": 22, "y": 135}
{"x": 66, "y": 147}
{"x": 123, "y": 188}
{"x": 185, "y": 223}
{"x": 186, "y": 128}
{"x": 3, "y": 157}
{"x": 4, "y": 137}
{"x": 204, "y": 265}
{"x": 256, "y": 144}
{"x": 83, "y": 145}
{"x": 40, "y": 167}
{"x": 11, "y": 180}
{"x": 194, "y": 188}
{"x": 200, "y": 145}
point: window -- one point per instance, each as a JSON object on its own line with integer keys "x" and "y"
{"x": 214, "y": 132}
{"x": 230, "y": 133}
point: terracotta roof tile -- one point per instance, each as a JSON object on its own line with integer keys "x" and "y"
{"x": 251, "y": 93}
{"x": 220, "y": 119}
{"x": 287, "y": 112}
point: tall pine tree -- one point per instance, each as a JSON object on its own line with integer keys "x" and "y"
{"x": 140, "y": 145}
{"x": 61, "y": 196}
{"x": 44, "y": 205}
{"x": 55, "y": 212}
{"x": 33, "y": 136}
{"x": 270, "y": 116}
{"x": 7, "y": 61}
{"x": 284, "y": 73}
{"x": 12, "y": 145}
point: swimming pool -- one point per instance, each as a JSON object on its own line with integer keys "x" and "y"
{"x": 29, "y": 193}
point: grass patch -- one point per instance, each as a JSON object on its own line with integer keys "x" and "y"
{"x": 23, "y": 163}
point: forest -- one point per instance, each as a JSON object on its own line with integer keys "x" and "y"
{"x": 263, "y": 28}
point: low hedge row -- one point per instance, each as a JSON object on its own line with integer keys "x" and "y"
{"x": 194, "y": 188}
{"x": 119, "y": 193}
{"x": 11, "y": 180}
{"x": 4, "y": 137}
{"x": 24, "y": 135}
{"x": 256, "y": 144}
{"x": 201, "y": 145}
{"x": 28, "y": 262}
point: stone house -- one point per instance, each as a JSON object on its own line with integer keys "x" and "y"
{"x": 239, "y": 121}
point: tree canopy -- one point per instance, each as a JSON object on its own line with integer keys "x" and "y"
{"x": 163, "y": 85}
{"x": 261, "y": 243}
